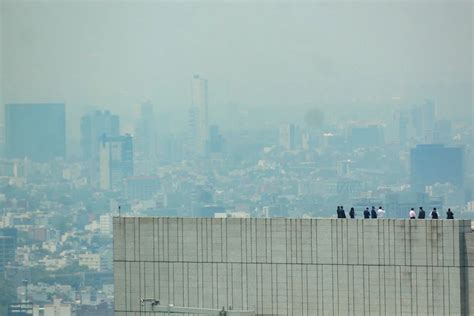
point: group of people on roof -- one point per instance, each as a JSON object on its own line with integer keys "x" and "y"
{"x": 380, "y": 213}
{"x": 433, "y": 214}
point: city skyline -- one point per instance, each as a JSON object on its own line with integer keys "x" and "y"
{"x": 290, "y": 158}
{"x": 300, "y": 66}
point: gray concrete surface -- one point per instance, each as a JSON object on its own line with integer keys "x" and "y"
{"x": 296, "y": 266}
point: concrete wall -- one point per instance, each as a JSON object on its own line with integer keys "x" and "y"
{"x": 296, "y": 266}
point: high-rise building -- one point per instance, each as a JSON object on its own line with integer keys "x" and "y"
{"x": 8, "y": 242}
{"x": 36, "y": 131}
{"x": 200, "y": 105}
{"x": 145, "y": 133}
{"x": 93, "y": 126}
{"x": 115, "y": 161}
{"x": 400, "y": 127}
{"x": 422, "y": 119}
{"x": 192, "y": 136}
{"x": 435, "y": 163}
{"x": 287, "y": 137}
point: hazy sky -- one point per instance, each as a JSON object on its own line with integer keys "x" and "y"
{"x": 115, "y": 54}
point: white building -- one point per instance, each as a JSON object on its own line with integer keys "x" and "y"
{"x": 55, "y": 309}
{"x": 105, "y": 224}
{"x": 115, "y": 161}
{"x": 90, "y": 260}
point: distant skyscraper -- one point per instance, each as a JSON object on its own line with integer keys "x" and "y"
{"x": 436, "y": 164}
{"x": 287, "y": 136}
{"x": 200, "y": 104}
{"x": 116, "y": 161}
{"x": 400, "y": 127}
{"x": 35, "y": 130}
{"x": 422, "y": 119}
{"x": 8, "y": 242}
{"x": 93, "y": 126}
{"x": 145, "y": 133}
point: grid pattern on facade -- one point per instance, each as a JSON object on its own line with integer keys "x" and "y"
{"x": 296, "y": 266}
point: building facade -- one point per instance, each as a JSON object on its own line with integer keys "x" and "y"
{"x": 435, "y": 163}
{"x": 93, "y": 126}
{"x": 36, "y": 131}
{"x": 115, "y": 161}
{"x": 284, "y": 266}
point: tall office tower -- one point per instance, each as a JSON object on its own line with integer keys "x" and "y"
{"x": 93, "y": 126}
{"x": 400, "y": 127}
{"x": 35, "y": 130}
{"x": 8, "y": 243}
{"x": 199, "y": 103}
{"x": 145, "y": 133}
{"x": 287, "y": 136}
{"x": 423, "y": 118}
{"x": 115, "y": 161}
{"x": 435, "y": 163}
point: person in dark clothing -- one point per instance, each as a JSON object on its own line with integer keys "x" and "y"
{"x": 352, "y": 213}
{"x": 421, "y": 213}
{"x": 338, "y": 211}
{"x": 434, "y": 214}
{"x": 373, "y": 213}
{"x": 343, "y": 213}
{"x": 450, "y": 214}
{"x": 366, "y": 213}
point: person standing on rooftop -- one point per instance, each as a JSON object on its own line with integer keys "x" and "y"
{"x": 352, "y": 213}
{"x": 343, "y": 213}
{"x": 412, "y": 213}
{"x": 434, "y": 214}
{"x": 421, "y": 213}
{"x": 373, "y": 213}
{"x": 380, "y": 212}
{"x": 449, "y": 214}
{"x": 366, "y": 213}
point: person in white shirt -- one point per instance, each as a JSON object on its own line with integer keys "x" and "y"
{"x": 412, "y": 213}
{"x": 380, "y": 212}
